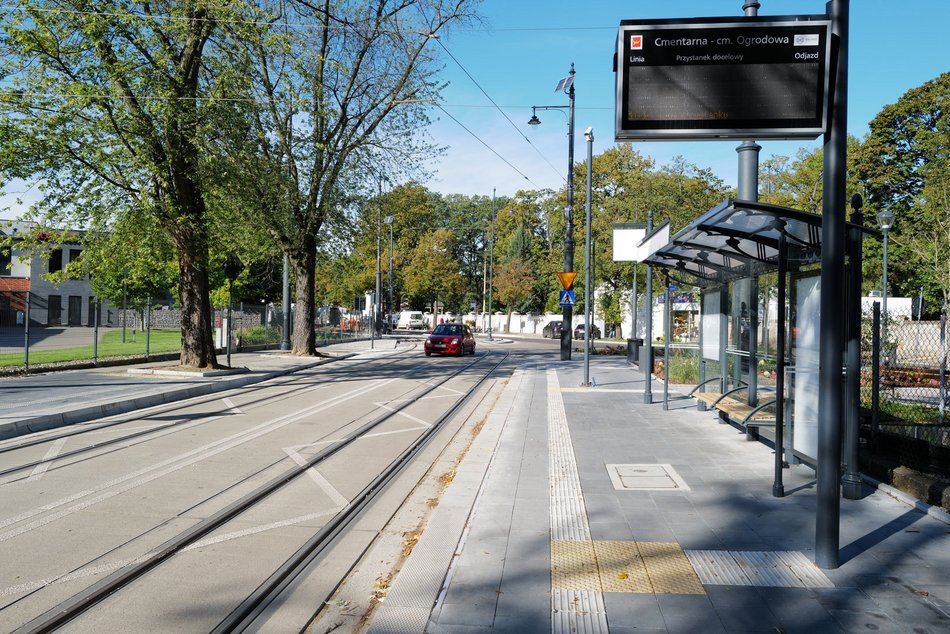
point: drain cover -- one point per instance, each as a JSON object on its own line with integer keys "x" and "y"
{"x": 645, "y": 477}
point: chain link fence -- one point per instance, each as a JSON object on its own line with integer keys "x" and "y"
{"x": 905, "y": 388}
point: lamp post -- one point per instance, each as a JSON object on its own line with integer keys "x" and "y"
{"x": 589, "y": 135}
{"x": 389, "y": 221}
{"x": 565, "y": 85}
{"x": 491, "y": 264}
{"x": 885, "y": 220}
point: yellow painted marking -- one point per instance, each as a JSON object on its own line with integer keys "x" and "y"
{"x": 574, "y": 566}
{"x": 669, "y": 569}
{"x": 622, "y": 566}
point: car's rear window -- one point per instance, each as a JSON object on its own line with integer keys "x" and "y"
{"x": 447, "y": 329}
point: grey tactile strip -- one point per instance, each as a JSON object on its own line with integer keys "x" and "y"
{"x": 572, "y": 611}
{"x": 776, "y": 569}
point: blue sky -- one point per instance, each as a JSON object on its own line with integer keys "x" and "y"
{"x": 525, "y": 46}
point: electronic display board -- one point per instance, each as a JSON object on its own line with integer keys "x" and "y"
{"x": 712, "y": 78}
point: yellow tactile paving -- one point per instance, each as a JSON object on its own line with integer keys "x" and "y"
{"x": 574, "y": 566}
{"x": 669, "y": 569}
{"x": 622, "y": 566}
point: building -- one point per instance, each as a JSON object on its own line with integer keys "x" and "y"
{"x": 24, "y": 275}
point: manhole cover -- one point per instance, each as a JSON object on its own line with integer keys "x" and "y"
{"x": 645, "y": 477}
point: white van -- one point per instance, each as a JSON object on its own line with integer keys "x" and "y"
{"x": 411, "y": 320}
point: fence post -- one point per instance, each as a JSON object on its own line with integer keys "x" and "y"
{"x": 26, "y": 334}
{"x": 875, "y": 369}
{"x": 95, "y": 335}
{"x": 148, "y": 325}
{"x": 943, "y": 363}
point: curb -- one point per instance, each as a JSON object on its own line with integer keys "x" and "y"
{"x": 85, "y": 414}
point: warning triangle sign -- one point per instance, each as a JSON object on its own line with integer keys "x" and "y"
{"x": 567, "y": 279}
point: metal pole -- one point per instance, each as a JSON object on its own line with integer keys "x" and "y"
{"x": 378, "y": 298}
{"x": 567, "y": 315}
{"x": 228, "y": 333}
{"x": 778, "y": 487}
{"x": 884, "y": 296}
{"x": 667, "y": 333}
{"x": 26, "y": 334}
{"x": 648, "y": 336}
{"x": 588, "y": 314}
{"x": 851, "y": 481}
{"x": 700, "y": 405}
{"x": 831, "y": 328}
{"x": 491, "y": 264}
{"x": 875, "y": 369}
{"x": 148, "y": 326}
{"x": 943, "y": 363}
{"x": 123, "y": 308}
{"x": 95, "y": 335}
{"x": 390, "y": 274}
{"x": 633, "y": 305}
{"x": 285, "y": 339}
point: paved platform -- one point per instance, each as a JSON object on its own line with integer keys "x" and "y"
{"x": 44, "y": 401}
{"x": 585, "y": 510}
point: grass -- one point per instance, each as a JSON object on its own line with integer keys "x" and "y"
{"x": 160, "y": 341}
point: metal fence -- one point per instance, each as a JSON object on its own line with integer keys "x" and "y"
{"x": 905, "y": 378}
{"x": 98, "y": 332}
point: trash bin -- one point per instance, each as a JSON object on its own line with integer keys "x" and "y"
{"x": 633, "y": 350}
{"x": 643, "y": 363}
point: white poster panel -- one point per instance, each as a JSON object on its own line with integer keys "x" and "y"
{"x": 805, "y": 415}
{"x": 626, "y": 241}
{"x": 711, "y": 325}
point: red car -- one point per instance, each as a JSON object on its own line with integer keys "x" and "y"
{"x": 456, "y": 339}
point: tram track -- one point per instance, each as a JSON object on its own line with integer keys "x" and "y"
{"x": 67, "y": 610}
{"x": 152, "y": 432}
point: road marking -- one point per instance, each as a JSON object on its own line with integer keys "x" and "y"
{"x": 232, "y": 408}
{"x": 335, "y": 496}
{"x": 424, "y": 424}
{"x": 40, "y": 470}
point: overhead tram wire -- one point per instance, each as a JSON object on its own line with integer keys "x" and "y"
{"x": 498, "y": 108}
{"x": 7, "y": 8}
{"x": 493, "y": 151}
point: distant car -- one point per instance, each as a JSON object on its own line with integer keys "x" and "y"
{"x": 552, "y": 329}
{"x": 580, "y": 331}
{"x": 455, "y": 339}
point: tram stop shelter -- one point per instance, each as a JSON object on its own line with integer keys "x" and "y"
{"x": 758, "y": 377}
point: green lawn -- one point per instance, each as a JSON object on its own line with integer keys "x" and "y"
{"x": 160, "y": 341}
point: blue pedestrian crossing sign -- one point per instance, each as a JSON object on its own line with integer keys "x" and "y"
{"x": 566, "y": 298}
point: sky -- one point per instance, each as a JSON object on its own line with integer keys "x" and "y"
{"x": 521, "y": 48}
{"x": 525, "y": 46}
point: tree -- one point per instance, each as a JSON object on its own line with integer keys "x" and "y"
{"x": 108, "y": 113}
{"x": 434, "y": 275}
{"x": 904, "y": 165}
{"x": 336, "y": 104}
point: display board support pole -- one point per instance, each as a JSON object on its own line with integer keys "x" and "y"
{"x": 831, "y": 327}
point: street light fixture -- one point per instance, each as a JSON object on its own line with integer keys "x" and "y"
{"x": 565, "y": 85}
{"x": 885, "y": 220}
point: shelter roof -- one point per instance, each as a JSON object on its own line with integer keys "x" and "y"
{"x": 738, "y": 239}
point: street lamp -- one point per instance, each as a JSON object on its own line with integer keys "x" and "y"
{"x": 491, "y": 265}
{"x": 389, "y": 221}
{"x": 565, "y": 85}
{"x": 588, "y": 327}
{"x": 885, "y": 220}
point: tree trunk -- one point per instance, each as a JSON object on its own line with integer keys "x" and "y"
{"x": 197, "y": 342}
{"x": 304, "y": 262}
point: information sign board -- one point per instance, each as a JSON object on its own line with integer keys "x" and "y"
{"x": 709, "y": 78}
